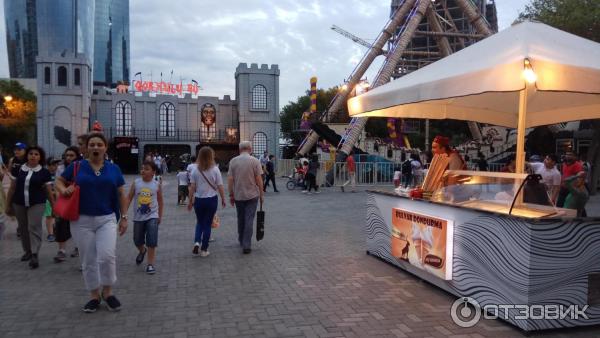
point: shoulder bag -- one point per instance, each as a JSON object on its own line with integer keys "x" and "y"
{"x": 68, "y": 207}
{"x": 260, "y": 223}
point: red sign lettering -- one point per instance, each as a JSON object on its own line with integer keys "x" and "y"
{"x": 165, "y": 87}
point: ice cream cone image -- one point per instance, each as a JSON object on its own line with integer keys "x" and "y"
{"x": 422, "y": 241}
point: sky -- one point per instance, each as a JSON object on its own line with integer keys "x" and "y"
{"x": 205, "y": 40}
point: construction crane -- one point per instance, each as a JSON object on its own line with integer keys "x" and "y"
{"x": 351, "y": 36}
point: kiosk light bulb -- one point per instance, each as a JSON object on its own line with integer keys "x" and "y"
{"x": 528, "y": 72}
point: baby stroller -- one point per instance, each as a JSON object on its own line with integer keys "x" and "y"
{"x": 296, "y": 179}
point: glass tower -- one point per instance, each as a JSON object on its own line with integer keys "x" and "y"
{"x": 46, "y": 27}
{"x": 21, "y": 37}
{"x": 65, "y": 26}
{"x": 111, "y": 59}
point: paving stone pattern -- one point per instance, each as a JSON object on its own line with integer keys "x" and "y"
{"x": 309, "y": 277}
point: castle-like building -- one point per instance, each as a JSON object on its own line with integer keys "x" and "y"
{"x": 143, "y": 118}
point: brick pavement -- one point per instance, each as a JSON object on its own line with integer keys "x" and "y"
{"x": 309, "y": 277}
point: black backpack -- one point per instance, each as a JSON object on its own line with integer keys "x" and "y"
{"x": 406, "y": 168}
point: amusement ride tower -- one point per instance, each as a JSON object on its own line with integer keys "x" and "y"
{"x": 418, "y": 33}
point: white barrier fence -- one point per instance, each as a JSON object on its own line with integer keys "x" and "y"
{"x": 367, "y": 173}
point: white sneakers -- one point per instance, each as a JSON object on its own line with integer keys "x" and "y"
{"x": 202, "y": 252}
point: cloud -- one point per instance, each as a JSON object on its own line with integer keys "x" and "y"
{"x": 206, "y": 40}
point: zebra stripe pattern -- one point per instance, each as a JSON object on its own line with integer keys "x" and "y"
{"x": 506, "y": 260}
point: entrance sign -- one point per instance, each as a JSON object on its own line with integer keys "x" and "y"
{"x": 165, "y": 87}
{"x": 423, "y": 241}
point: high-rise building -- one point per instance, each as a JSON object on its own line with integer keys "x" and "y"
{"x": 111, "y": 45}
{"x": 98, "y": 29}
{"x": 64, "y": 27}
{"x": 21, "y": 37}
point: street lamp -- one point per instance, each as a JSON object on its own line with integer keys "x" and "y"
{"x": 7, "y": 98}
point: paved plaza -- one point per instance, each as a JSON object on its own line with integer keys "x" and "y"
{"x": 309, "y": 277}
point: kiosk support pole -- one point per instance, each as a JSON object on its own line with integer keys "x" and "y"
{"x": 520, "y": 158}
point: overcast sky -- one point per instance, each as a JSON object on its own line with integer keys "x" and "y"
{"x": 206, "y": 39}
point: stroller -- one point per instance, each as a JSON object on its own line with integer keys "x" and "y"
{"x": 296, "y": 179}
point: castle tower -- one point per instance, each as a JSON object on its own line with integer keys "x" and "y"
{"x": 257, "y": 94}
{"x": 64, "y": 97}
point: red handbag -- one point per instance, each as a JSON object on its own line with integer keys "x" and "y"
{"x": 68, "y": 207}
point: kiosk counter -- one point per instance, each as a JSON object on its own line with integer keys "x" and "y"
{"x": 497, "y": 239}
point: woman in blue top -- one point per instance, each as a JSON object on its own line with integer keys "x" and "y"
{"x": 31, "y": 186}
{"x": 95, "y": 232}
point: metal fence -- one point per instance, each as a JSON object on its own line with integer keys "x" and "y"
{"x": 176, "y": 135}
{"x": 367, "y": 173}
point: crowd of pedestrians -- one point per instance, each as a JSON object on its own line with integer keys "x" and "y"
{"x": 36, "y": 183}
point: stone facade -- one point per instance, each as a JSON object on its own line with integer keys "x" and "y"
{"x": 63, "y": 100}
{"x": 258, "y": 121}
{"x": 168, "y": 124}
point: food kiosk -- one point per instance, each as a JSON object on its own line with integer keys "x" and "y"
{"x": 495, "y": 237}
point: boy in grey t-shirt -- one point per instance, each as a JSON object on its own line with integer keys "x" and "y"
{"x": 183, "y": 178}
{"x": 147, "y": 214}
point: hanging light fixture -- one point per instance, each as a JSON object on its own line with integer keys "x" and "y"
{"x": 528, "y": 72}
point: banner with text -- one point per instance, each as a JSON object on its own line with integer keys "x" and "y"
{"x": 423, "y": 241}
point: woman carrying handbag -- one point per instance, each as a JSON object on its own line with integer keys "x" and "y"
{"x": 95, "y": 231}
{"x": 206, "y": 182}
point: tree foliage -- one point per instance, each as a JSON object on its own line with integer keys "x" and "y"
{"x": 292, "y": 112}
{"x": 579, "y": 17}
{"x": 17, "y": 115}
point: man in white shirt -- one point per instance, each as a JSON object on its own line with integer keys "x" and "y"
{"x": 550, "y": 176}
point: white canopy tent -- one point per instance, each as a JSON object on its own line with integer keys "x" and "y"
{"x": 486, "y": 83}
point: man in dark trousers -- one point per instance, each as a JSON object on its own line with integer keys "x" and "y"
{"x": 244, "y": 181}
{"x": 270, "y": 174}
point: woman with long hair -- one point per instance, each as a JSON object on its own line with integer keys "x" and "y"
{"x": 63, "y": 227}
{"x": 95, "y": 232}
{"x": 206, "y": 182}
{"x": 26, "y": 199}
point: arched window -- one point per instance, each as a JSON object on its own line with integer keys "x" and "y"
{"x": 77, "y": 77}
{"x": 123, "y": 118}
{"x": 62, "y": 76}
{"x": 47, "y": 75}
{"x": 167, "y": 119}
{"x": 259, "y": 97}
{"x": 259, "y": 143}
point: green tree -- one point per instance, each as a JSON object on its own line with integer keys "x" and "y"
{"x": 292, "y": 112}
{"x": 579, "y": 17}
{"x": 17, "y": 114}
